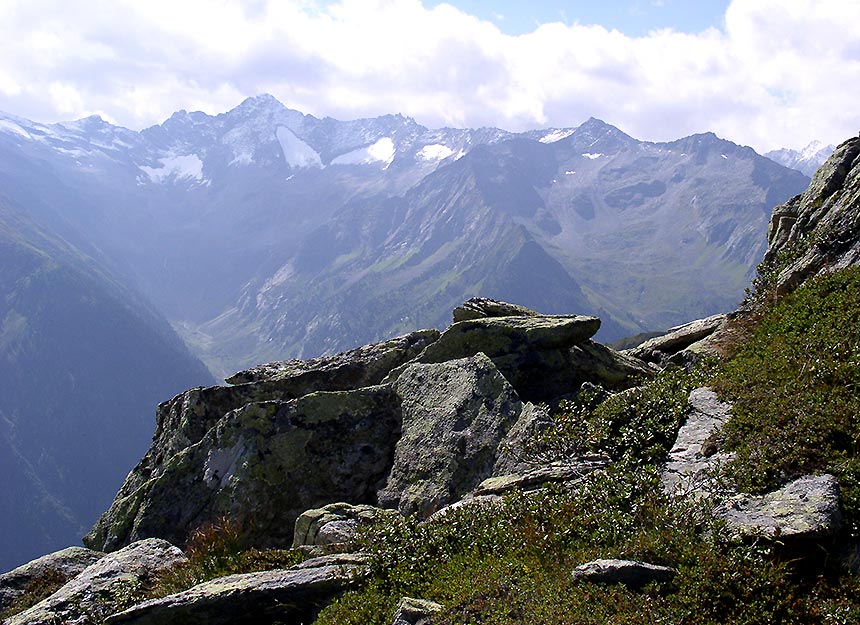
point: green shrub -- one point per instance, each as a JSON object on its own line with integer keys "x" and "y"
{"x": 215, "y": 550}
{"x": 795, "y": 385}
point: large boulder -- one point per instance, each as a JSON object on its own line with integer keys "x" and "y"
{"x": 107, "y": 586}
{"x": 264, "y": 464}
{"x": 542, "y": 356}
{"x": 807, "y": 508}
{"x": 678, "y": 339}
{"x": 52, "y": 569}
{"x": 454, "y": 416}
{"x": 335, "y": 525}
{"x": 817, "y": 230}
{"x": 294, "y": 595}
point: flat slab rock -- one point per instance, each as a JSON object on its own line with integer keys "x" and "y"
{"x": 678, "y": 338}
{"x": 102, "y": 587}
{"x": 806, "y": 508}
{"x": 296, "y": 593}
{"x": 64, "y": 564}
{"x": 482, "y": 307}
{"x": 568, "y": 472}
{"x": 630, "y": 573}
{"x": 690, "y": 461}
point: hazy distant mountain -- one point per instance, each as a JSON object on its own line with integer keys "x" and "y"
{"x": 83, "y": 363}
{"x": 806, "y": 160}
{"x": 263, "y": 233}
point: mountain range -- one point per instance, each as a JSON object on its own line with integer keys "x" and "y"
{"x": 263, "y": 233}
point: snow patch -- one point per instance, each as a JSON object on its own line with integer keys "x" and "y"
{"x": 15, "y": 129}
{"x": 380, "y": 152}
{"x": 435, "y": 152}
{"x": 724, "y": 156}
{"x": 555, "y": 135}
{"x": 591, "y": 155}
{"x": 186, "y": 166}
{"x": 297, "y": 153}
{"x": 569, "y": 172}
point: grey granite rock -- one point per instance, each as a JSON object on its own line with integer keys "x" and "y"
{"x": 415, "y": 611}
{"x": 60, "y": 566}
{"x": 454, "y": 416}
{"x": 806, "y": 508}
{"x": 107, "y": 586}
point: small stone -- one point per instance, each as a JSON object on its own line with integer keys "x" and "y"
{"x": 415, "y": 611}
{"x": 630, "y": 573}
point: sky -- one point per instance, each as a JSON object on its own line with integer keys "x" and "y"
{"x": 764, "y": 73}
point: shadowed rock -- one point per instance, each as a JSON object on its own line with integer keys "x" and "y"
{"x": 677, "y": 339}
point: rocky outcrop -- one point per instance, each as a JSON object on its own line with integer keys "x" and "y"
{"x": 363, "y": 366}
{"x": 293, "y": 595}
{"x": 334, "y": 526}
{"x": 817, "y": 230}
{"x": 57, "y": 567}
{"x": 107, "y": 586}
{"x": 806, "y": 508}
{"x": 266, "y": 462}
{"x": 454, "y": 416}
{"x": 415, "y": 611}
{"x": 543, "y": 357}
{"x": 630, "y": 573}
{"x": 695, "y": 454}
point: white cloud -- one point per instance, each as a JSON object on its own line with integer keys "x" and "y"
{"x": 780, "y": 74}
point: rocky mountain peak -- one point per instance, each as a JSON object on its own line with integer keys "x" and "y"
{"x": 816, "y": 231}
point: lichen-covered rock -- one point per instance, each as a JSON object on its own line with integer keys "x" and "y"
{"x": 107, "y": 586}
{"x": 59, "y": 567}
{"x": 482, "y": 307}
{"x": 806, "y": 508}
{"x": 184, "y": 420}
{"x": 630, "y": 573}
{"x": 334, "y": 525}
{"x": 265, "y": 463}
{"x": 454, "y": 416}
{"x": 363, "y": 366}
{"x": 415, "y": 611}
{"x": 694, "y": 455}
{"x": 294, "y": 595}
{"x": 817, "y": 230}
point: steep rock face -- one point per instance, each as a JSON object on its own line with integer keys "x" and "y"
{"x": 817, "y": 230}
{"x": 264, "y": 464}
